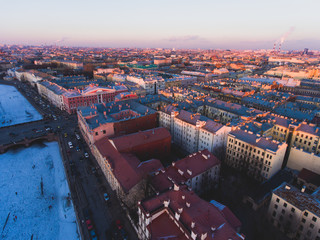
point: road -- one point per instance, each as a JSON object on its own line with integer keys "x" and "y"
{"x": 86, "y": 181}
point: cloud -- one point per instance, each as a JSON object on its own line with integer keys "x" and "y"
{"x": 183, "y": 38}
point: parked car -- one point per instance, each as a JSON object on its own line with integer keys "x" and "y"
{"x": 78, "y": 149}
{"x": 86, "y": 155}
{"x": 77, "y": 136}
{"x": 89, "y": 224}
{"x": 119, "y": 224}
{"x": 70, "y": 144}
{"x": 93, "y": 234}
{"x": 124, "y": 234}
{"x": 86, "y": 214}
{"x": 105, "y": 196}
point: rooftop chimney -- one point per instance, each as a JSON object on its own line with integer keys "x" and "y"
{"x": 193, "y": 224}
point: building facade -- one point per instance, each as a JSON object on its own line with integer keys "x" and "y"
{"x": 258, "y": 157}
{"x": 295, "y": 212}
{"x": 193, "y": 132}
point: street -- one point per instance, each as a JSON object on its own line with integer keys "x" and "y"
{"x": 86, "y": 181}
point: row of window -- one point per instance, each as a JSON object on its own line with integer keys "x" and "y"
{"x": 306, "y": 136}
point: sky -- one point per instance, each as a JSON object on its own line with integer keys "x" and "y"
{"x": 209, "y": 24}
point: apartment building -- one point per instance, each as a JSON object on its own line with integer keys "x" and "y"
{"x": 180, "y": 214}
{"x": 306, "y": 136}
{"x": 199, "y": 171}
{"x": 123, "y": 170}
{"x": 113, "y": 119}
{"x": 186, "y": 130}
{"x": 53, "y": 92}
{"x": 295, "y": 212}
{"x": 31, "y": 76}
{"x": 152, "y": 84}
{"x": 193, "y": 132}
{"x": 259, "y": 157}
{"x": 226, "y": 112}
{"x": 305, "y": 148}
{"x": 280, "y": 129}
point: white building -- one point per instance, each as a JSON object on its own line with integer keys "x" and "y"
{"x": 152, "y": 84}
{"x": 307, "y": 136}
{"x": 193, "y": 132}
{"x": 119, "y": 77}
{"x": 259, "y": 157}
{"x": 52, "y": 92}
{"x": 295, "y": 212}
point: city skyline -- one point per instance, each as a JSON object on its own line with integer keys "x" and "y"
{"x": 181, "y": 24}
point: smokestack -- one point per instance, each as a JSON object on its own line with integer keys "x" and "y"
{"x": 279, "y": 47}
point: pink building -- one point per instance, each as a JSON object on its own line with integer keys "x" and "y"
{"x": 92, "y": 94}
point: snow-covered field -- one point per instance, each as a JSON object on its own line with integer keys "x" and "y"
{"x": 38, "y": 216}
{"x": 14, "y": 108}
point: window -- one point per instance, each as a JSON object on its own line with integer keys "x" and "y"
{"x": 314, "y": 219}
{"x": 311, "y": 225}
{"x": 283, "y": 211}
{"x": 303, "y": 220}
{"x": 285, "y": 204}
{"x": 306, "y": 214}
{"x": 276, "y": 206}
{"x": 274, "y": 213}
{"x": 277, "y": 200}
{"x": 293, "y": 210}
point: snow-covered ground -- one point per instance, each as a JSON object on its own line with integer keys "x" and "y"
{"x": 48, "y": 216}
{"x": 14, "y": 108}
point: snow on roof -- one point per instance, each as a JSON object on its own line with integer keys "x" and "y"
{"x": 195, "y": 214}
{"x": 301, "y": 200}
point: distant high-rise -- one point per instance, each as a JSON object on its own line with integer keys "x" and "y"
{"x": 305, "y": 51}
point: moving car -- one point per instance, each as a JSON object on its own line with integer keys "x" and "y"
{"x": 70, "y": 144}
{"x": 86, "y": 155}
